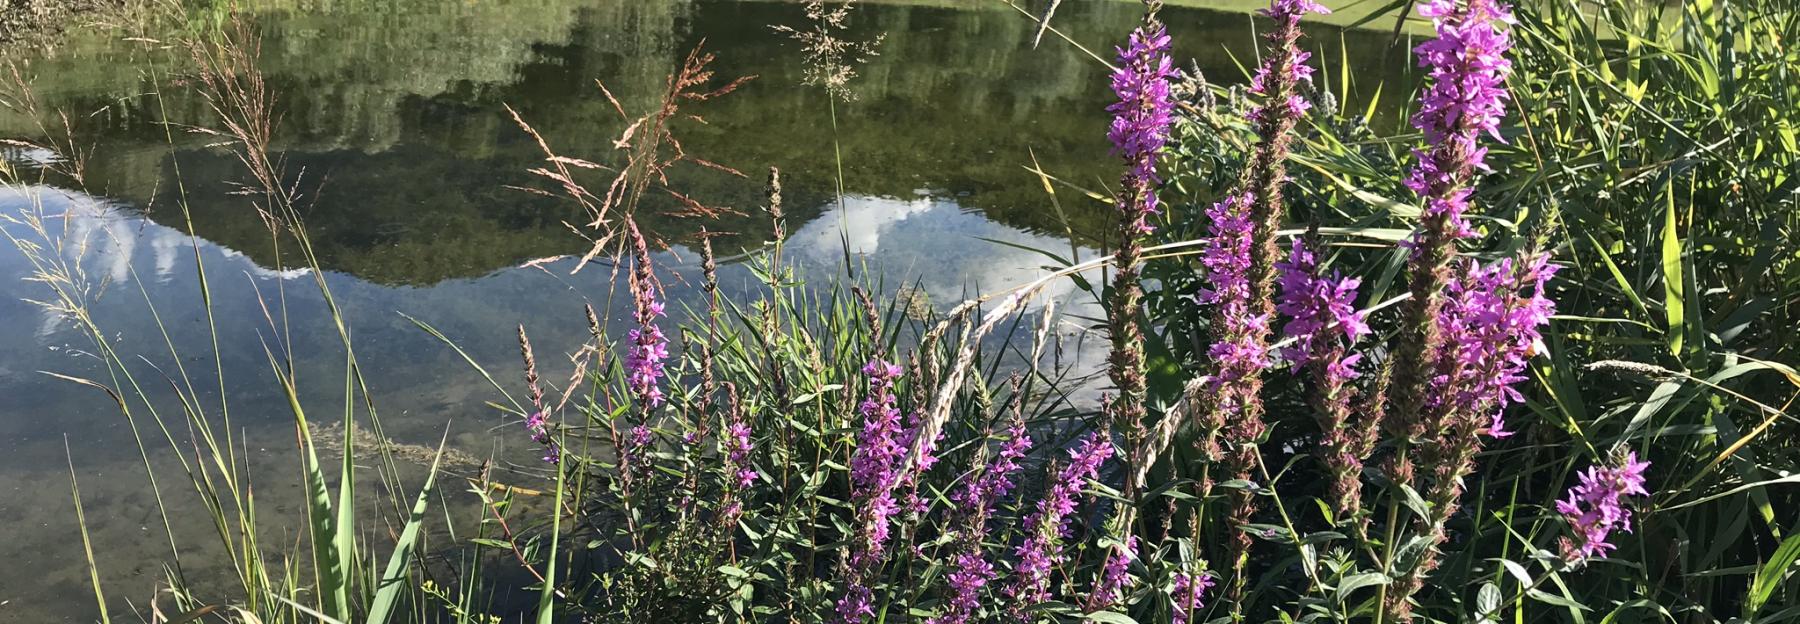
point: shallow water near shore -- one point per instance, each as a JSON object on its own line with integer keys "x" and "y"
{"x": 393, "y": 126}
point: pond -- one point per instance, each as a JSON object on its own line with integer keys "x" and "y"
{"x": 393, "y": 127}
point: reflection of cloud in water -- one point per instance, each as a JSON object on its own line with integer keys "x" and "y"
{"x": 102, "y": 240}
{"x": 952, "y": 255}
{"x": 938, "y": 244}
{"x": 35, "y": 156}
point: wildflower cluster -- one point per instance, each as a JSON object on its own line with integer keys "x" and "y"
{"x": 874, "y": 475}
{"x": 1465, "y": 99}
{"x": 648, "y": 349}
{"x": 1320, "y": 310}
{"x": 1595, "y": 506}
{"x": 1141, "y": 117}
{"x": 1490, "y": 330}
{"x": 1187, "y": 592}
{"x": 971, "y": 571}
{"x": 1238, "y": 260}
{"x": 538, "y": 426}
{"x": 1046, "y": 527}
{"x": 1324, "y": 323}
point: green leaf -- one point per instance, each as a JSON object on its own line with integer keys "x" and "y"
{"x": 1553, "y": 599}
{"x": 334, "y": 596}
{"x": 1110, "y": 618}
{"x": 1359, "y": 581}
{"x": 387, "y": 593}
{"x": 1771, "y": 575}
{"x": 1673, "y": 281}
{"x": 345, "y": 540}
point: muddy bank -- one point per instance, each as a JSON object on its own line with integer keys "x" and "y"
{"x": 39, "y": 21}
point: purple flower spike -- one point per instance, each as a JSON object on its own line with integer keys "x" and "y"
{"x": 1114, "y": 576}
{"x": 1141, "y": 119}
{"x": 1594, "y": 506}
{"x": 648, "y": 348}
{"x": 1466, "y": 98}
{"x": 1492, "y": 322}
{"x": 1187, "y": 593}
{"x": 874, "y": 475}
{"x": 1046, "y": 527}
{"x": 738, "y": 453}
{"x": 977, "y": 500}
{"x": 538, "y": 425}
{"x": 1321, "y": 310}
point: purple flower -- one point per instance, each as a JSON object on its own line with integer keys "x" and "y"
{"x": 1048, "y": 525}
{"x": 1492, "y": 321}
{"x": 1241, "y": 350}
{"x": 1594, "y": 506}
{"x": 1466, "y": 98}
{"x": 977, "y": 498}
{"x": 985, "y": 489}
{"x": 857, "y": 604}
{"x": 972, "y": 573}
{"x": 1321, "y": 310}
{"x": 738, "y": 453}
{"x": 1286, "y": 61}
{"x": 1187, "y": 592}
{"x": 648, "y": 348}
{"x": 880, "y": 448}
{"x": 1141, "y": 117}
{"x": 538, "y": 425}
{"x": 1324, "y": 323}
{"x": 1115, "y": 575}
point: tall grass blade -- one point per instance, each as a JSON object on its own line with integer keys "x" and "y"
{"x": 393, "y": 579}
{"x": 87, "y": 545}
{"x": 1770, "y": 576}
{"x": 333, "y": 591}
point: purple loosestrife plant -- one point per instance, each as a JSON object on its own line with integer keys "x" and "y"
{"x": 1115, "y": 576}
{"x": 538, "y": 426}
{"x": 1324, "y": 323}
{"x": 971, "y": 570}
{"x": 1595, "y": 507}
{"x": 736, "y": 446}
{"x": 1046, "y": 527}
{"x": 1239, "y": 262}
{"x": 1141, "y": 118}
{"x": 874, "y": 468}
{"x": 1491, "y": 321}
{"x": 1188, "y": 590}
{"x": 648, "y": 348}
{"x": 1140, "y": 129}
{"x": 1465, "y": 98}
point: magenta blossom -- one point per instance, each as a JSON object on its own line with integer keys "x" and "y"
{"x": 972, "y": 571}
{"x": 1046, "y": 527}
{"x": 1465, "y": 99}
{"x": 874, "y": 474}
{"x": 648, "y": 348}
{"x": 1188, "y": 590}
{"x": 1595, "y": 506}
{"x": 1114, "y": 576}
{"x": 1492, "y": 322}
{"x": 1321, "y": 309}
{"x": 1141, "y": 118}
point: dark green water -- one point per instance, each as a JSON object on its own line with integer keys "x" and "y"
{"x": 392, "y": 125}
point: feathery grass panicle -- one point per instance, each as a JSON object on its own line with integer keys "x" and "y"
{"x": 832, "y": 57}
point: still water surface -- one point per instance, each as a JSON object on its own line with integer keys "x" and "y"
{"x": 392, "y": 123}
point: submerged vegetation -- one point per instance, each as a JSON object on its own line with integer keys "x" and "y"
{"x": 1523, "y": 358}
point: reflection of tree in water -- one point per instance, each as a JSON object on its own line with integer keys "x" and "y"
{"x": 395, "y": 108}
